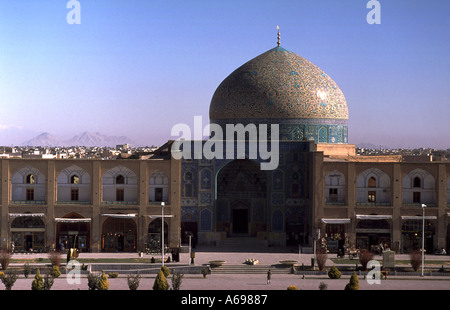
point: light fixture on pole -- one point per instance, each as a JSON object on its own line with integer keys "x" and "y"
{"x": 423, "y": 234}
{"x": 162, "y": 232}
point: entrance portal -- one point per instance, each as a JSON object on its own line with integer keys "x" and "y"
{"x": 240, "y": 221}
{"x": 241, "y": 191}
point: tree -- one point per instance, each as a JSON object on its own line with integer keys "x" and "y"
{"x": 176, "y": 281}
{"x": 415, "y": 258}
{"x": 9, "y": 279}
{"x": 103, "y": 283}
{"x": 353, "y": 285}
{"x": 38, "y": 282}
{"x": 160, "y": 282}
{"x": 365, "y": 256}
{"x": 321, "y": 256}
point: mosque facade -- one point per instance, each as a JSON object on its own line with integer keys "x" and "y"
{"x": 318, "y": 190}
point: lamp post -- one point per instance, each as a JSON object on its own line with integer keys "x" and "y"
{"x": 162, "y": 231}
{"x": 423, "y": 234}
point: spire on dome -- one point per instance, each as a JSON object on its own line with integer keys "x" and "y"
{"x": 278, "y": 35}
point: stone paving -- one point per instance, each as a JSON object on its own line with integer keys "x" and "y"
{"x": 245, "y": 281}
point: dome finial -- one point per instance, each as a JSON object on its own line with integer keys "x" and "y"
{"x": 278, "y": 35}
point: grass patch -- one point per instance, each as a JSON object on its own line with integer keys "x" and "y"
{"x": 88, "y": 260}
{"x": 347, "y": 261}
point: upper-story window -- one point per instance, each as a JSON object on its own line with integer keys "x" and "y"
{"x": 120, "y": 179}
{"x": 31, "y": 179}
{"x": 416, "y": 182}
{"x": 74, "y": 179}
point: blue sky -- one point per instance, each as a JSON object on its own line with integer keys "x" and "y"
{"x": 137, "y": 68}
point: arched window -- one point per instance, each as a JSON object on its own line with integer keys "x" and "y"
{"x": 188, "y": 176}
{"x": 74, "y": 179}
{"x": 120, "y": 179}
{"x": 416, "y": 182}
{"x": 31, "y": 179}
{"x": 372, "y": 182}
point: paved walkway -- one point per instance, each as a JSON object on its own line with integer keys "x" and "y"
{"x": 246, "y": 281}
{"x": 265, "y": 256}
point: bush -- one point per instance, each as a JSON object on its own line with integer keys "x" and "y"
{"x": 9, "y": 279}
{"x": 92, "y": 281}
{"x": 365, "y": 256}
{"x": 353, "y": 285}
{"x": 334, "y": 273}
{"x": 113, "y": 274}
{"x": 323, "y": 286}
{"x": 26, "y": 270}
{"x": 133, "y": 281}
{"x": 205, "y": 271}
{"x": 415, "y": 258}
{"x": 160, "y": 282}
{"x": 292, "y": 288}
{"x": 176, "y": 281}
{"x": 48, "y": 281}
{"x": 103, "y": 283}
{"x": 321, "y": 257}
{"x": 55, "y": 271}
{"x": 5, "y": 258}
{"x": 55, "y": 258}
{"x": 165, "y": 270}
{"x": 38, "y": 283}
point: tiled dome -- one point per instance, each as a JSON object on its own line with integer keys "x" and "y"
{"x": 278, "y": 84}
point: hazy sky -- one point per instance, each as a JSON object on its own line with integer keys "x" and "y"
{"x": 137, "y": 68}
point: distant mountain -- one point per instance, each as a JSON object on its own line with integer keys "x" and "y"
{"x": 44, "y": 139}
{"x": 97, "y": 139}
{"x": 86, "y": 138}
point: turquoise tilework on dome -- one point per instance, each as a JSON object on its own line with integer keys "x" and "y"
{"x": 278, "y": 84}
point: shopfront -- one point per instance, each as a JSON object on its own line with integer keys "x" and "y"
{"x": 27, "y": 232}
{"x": 119, "y": 233}
{"x": 73, "y": 232}
{"x": 335, "y": 235}
{"x": 373, "y": 232}
{"x": 412, "y": 228}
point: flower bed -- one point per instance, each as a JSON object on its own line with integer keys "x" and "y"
{"x": 251, "y": 261}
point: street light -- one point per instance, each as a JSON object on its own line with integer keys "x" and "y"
{"x": 162, "y": 231}
{"x": 423, "y": 234}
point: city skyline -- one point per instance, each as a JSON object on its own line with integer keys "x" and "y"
{"x": 137, "y": 69}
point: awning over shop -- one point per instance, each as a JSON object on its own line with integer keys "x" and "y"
{"x": 120, "y": 215}
{"x": 72, "y": 220}
{"x": 25, "y": 214}
{"x": 336, "y": 221}
{"x": 373, "y": 217}
{"x": 418, "y": 217}
{"x": 159, "y": 216}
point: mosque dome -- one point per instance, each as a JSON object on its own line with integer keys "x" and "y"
{"x": 278, "y": 84}
{"x": 282, "y": 87}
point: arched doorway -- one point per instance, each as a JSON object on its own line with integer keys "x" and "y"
{"x": 154, "y": 235}
{"x": 119, "y": 234}
{"x": 73, "y": 231}
{"x": 241, "y": 198}
{"x": 370, "y": 233}
{"x": 28, "y": 233}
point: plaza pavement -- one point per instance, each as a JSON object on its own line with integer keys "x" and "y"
{"x": 246, "y": 281}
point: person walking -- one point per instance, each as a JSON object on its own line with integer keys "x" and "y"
{"x": 269, "y": 276}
